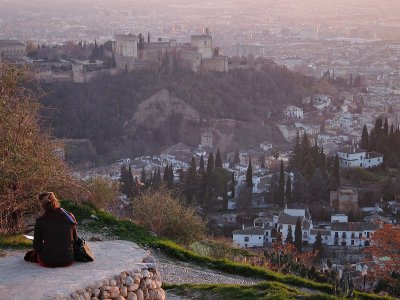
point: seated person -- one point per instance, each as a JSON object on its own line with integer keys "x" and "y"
{"x": 54, "y": 234}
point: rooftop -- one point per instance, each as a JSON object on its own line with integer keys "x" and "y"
{"x": 354, "y": 226}
{"x": 251, "y": 231}
{"x": 351, "y": 150}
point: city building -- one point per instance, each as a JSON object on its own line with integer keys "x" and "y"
{"x": 294, "y": 112}
{"x": 126, "y": 51}
{"x": 251, "y": 237}
{"x": 345, "y": 201}
{"x": 352, "y": 233}
{"x": 12, "y": 49}
{"x": 352, "y": 157}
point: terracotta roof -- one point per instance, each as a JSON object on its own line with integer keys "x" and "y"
{"x": 287, "y": 219}
{"x": 353, "y": 226}
{"x": 251, "y": 231}
{"x": 322, "y": 231}
{"x": 377, "y": 218}
{"x": 374, "y": 154}
{"x": 351, "y": 150}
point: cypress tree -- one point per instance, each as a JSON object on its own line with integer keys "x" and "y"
{"x": 298, "y": 241}
{"x": 296, "y": 155}
{"x": 191, "y": 180}
{"x": 249, "y": 175}
{"x": 391, "y": 129}
{"x": 289, "y": 237}
{"x": 165, "y": 175}
{"x": 373, "y": 140}
{"x": 288, "y": 190}
{"x": 364, "y": 138}
{"x": 236, "y": 158}
{"x": 130, "y": 179}
{"x": 386, "y": 128}
{"x": 225, "y": 197}
{"x": 210, "y": 163}
{"x": 335, "y": 180}
{"x": 317, "y": 247}
{"x": 233, "y": 184}
{"x": 124, "y": 180}
{"x": 378, "y": 126}
{"x": 281, "y": 187}
{"x": 158, "y": 177}
{"x": 201, "y": 165}
{"x": 218, "y": 160}
{"x": 262, "y": 162}
{"x": 143, "y": 176}
{"x": 171, "y": 177}
{"x": 322, "y": 160}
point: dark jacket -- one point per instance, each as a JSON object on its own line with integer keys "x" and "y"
{"x": 54, "y": 238}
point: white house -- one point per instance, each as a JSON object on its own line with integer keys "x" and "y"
{"x": 394, "y": 207}
{"x": 251, "y": 237}
{"x": 325, "y": 235}
{"x": 266, "y": 146}
{"x": 288, "y": 218}
{"x": 341, "y": 218}
{"x": 352, "y": 233}
{"x": 352, "y": 157}
{"x": 294, "y": 112}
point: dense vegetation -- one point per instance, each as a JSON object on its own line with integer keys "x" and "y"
{"x": 100, "y": 110}
{"x": 28, "y": 164}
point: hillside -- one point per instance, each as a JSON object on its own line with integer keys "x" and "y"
{"x": 185, "y": 273}
{"x": 146, "y": 110}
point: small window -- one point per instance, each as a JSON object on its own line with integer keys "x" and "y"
{"x": 259, "y": 237}
{"x": 246, "y": 238}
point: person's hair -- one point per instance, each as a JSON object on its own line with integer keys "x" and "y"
{"x": 48, "y": 200}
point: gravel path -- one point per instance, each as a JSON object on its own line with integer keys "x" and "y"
{"x": 177, "y": 274}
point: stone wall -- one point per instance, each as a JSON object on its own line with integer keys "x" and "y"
{"x": 141, "y": 283}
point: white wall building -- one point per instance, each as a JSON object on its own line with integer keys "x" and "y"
{"x": 341, "y": 218}
{"x": 251, "y": 237}
{"x": 295, "y": 112}
{"x": 325, "y": 235}
{"x": 352, "y": 233}
{"x": 288, "y": 218}
{"x": 266, "y": 146}
{"x": 352, "y": 157}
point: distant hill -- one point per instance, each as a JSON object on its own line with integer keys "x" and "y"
{"x": 144, "y": 111}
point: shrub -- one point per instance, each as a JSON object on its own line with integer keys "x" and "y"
{"x": 28, "y": 164}
{"x": 103, "y": 192}
{"x": 167, "y": 216}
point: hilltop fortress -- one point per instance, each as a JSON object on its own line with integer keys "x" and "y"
{"x": 132, "y": 52}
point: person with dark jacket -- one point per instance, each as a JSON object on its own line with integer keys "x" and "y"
{"x": 55, "y": 233}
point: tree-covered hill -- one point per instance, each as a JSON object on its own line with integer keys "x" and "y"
{"x": 103, "y": 111}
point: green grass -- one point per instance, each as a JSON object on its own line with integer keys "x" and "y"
{"x": 367, "y": 296}
{"x": 14, "y": 242}
{"x": 262, "y": 291}
{"x": 108, "y": 224}
{"x": 182, "y": 254}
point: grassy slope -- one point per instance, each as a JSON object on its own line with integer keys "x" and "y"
{"x": 126, "y": 230}
{"x": 265, "y": 290}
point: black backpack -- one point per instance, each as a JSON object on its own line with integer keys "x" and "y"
{"x": 82, "y": 251}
